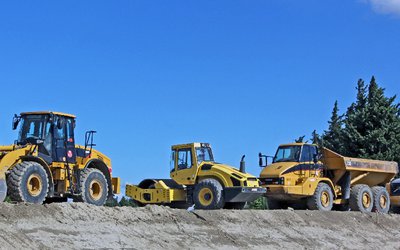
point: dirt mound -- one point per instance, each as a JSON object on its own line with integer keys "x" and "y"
{"x": 79, "y": 225}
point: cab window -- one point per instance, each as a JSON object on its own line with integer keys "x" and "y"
{"x": 306, "y": 154}
{"x": 184, "y": 159}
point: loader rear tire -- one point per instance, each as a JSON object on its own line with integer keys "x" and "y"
{"x": 361, "y": 198}
{"x": 208, "y": 194}
{"x": 381, "y": 200}
{"x": 322, "y": 199}
{"x": 94, "y": 187}
{"x": 28, "y": 182}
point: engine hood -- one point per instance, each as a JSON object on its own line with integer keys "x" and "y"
{"x": 277, "y": 169}
{"x": 226, "y": 168}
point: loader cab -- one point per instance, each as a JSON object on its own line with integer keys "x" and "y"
{"x": 186, "y": 160}
{"x": 52, "y": 133}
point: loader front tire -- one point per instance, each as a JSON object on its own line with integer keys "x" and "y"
{"x": 322, "y": 199}
{"x": 208, "y": 194}
{"x": 381, "y": 200}
{"x": 361, "y": 198}
{"x": 28, "y": 182}
{"x": 94, "y": 187}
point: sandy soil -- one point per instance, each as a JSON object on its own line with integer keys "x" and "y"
{"x": 82, "y": 226}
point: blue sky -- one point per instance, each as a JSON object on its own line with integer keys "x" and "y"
{"x": 242, "y": 75}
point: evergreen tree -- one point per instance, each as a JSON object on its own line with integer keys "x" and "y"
{"x": 332, "y": 138}
{"x": 300, "y": 139}
{"x": 372, "y": 125}
{"x": 354, "y": 124}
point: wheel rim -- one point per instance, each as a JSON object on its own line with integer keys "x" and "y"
{"x": 96, "y": 190}
{"x": 34, "y": 185}
{"x": 325, "y": 199}
{"x": 206, "y": 196}
{"x": 366, "y": 200}
{"x": 383, "y": 201}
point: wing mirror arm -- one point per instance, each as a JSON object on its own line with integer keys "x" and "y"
{"x": 262, "y": 158}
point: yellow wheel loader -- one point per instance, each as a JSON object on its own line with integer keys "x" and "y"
{"x": 197, "y": 179}
{"x": 302, "y": 175}
{"x": 44, "y": 163}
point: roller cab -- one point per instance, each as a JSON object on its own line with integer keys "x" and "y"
{"x": 197, "y": 179}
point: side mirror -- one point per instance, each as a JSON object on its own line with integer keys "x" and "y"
{"x": 15, "y": 121}
{"x": 262, "y": 158}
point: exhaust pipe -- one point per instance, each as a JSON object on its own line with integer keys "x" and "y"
{"x": 243, "y": 165}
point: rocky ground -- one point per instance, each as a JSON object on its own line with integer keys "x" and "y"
{"x": 82, "y": 226}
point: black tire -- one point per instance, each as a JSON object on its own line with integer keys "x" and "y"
{"x": 381, "y": 200}
{"x": 322, "y": 199}
{"x": 94, "y": 187}
{"x": 208, "y": 194}
{"x": 341, "y": 207}
{"x": 28, "y": 182}
{"x": 235, "y": 205}
{"x": 274, "y": 204}
{"x": 361, "y": 198}
{"x": 395, "y": 209}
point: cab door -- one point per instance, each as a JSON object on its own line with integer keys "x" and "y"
{"x": 64, "y": 141}
{"x": 184, "y": 171}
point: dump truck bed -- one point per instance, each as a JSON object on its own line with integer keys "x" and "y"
{"x": 362, "y": 171}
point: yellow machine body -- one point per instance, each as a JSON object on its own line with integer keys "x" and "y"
{"x": 187, "y": 170}
{"x": 57, "y": 169}
{"x": 293, "y": 180}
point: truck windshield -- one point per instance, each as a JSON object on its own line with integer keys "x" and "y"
{"x": 32, "y": 126}
{"x": 287, "y": 154}
{"x": 204, "y": 154}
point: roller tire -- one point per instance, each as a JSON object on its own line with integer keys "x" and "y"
{"x": 378, "y": 193}
{"x": 17, "y": 182}
{"x": 94, "y": 187}
{"x": 322, "y": 199}
{"x": 356, "y": 198}
{"x": 235, "y": 205}
{"x": 215, "y": 192}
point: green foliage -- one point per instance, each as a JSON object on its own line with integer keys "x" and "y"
{"x": 260, "y": 204}
{"x": 300, "y": 139}
{"x": 8, "y": 199}
{"x": 370, "y": 128}
{"x": 124, "y": 202}
{"x": 127, "y": 202}
{"x": 112, "y": 202}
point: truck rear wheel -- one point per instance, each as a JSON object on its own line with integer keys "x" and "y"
{"x": 361, "y": 198}
{"x": 381, "y": 200}
{"x": 322, "y": 199}
{"x": 28, "y": 182}
{"x": 208, "y": 195}
{"x": 94, "y": 187}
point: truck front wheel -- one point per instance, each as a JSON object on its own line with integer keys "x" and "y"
{"x": 208, "y": 194}
{"x": 322, "y": 199}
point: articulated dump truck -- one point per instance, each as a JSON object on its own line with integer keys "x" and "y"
{"x": 300, "y": 175}
{"x": 197, "y": 179}
{"x": 45, "y": 164}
